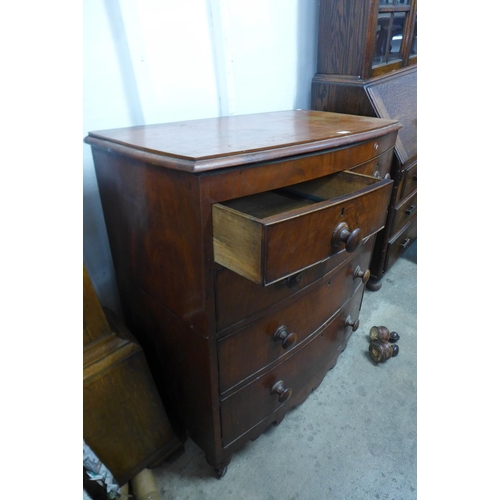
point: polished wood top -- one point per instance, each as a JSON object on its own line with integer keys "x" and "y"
{"x": 199, "y": 145}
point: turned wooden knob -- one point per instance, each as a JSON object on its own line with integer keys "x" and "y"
{"x": 379, "y": 333}
{"x": 351, "y": 323}
{"x": 294, "y": 280}
{"x": 284, "y": 394}
{"x": 287, "y": 339}
{"x": 382, "y": 351}
{"x": 358, "y": 273}
{"x": 352, "y": 239}
{"x": 382, "y": 333}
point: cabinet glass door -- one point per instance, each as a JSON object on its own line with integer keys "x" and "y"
{"x": 389, "y": 37}
{"x": 413, "y": 47}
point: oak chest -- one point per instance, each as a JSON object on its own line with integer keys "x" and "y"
{"x": 241, "y": 248}
{"x": 367, "y": 65}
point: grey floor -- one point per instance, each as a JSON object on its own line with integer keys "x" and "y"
{"x": 355, "y": 437}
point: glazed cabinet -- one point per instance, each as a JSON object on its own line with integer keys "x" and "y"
{"x": 241, "y": 247}
{"x": 367, "y": 65}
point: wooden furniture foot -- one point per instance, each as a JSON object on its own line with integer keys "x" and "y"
{"x": 373, "y": 285}
{"x": 220, "y": 467}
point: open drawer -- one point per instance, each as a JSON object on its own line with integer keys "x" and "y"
{"x": 268, "y": 236}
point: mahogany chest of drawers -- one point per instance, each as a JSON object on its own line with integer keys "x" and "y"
{"x": 241, "y": 247}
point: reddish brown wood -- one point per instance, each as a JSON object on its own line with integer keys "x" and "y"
{"x": 302, "y": 316}
{"x": 364, "y": 275}
{"x": 158, "y": 186}
{"x": 238, "y": 140}
{"x": 231, "y": 310}
{"x": 247, "y": 407}
{"x": 283, "y": 393}
{"x": 351, "y": 238}
{"x": 287, "y": 339}
{"x": 289, "y": 242}
{"x": 383, "y": 334}
{"x": 380, "y": 351}
{"x": 378, "y": 167}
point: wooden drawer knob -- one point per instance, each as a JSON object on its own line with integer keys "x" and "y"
{"x": 294, "y": 280}
{"x": 287, "y": 339}
{"x": 358, "y": 273}
{"x": 352, "y": 239}
{"x": 284, "y": 394}
{"x": 349, "y": 322}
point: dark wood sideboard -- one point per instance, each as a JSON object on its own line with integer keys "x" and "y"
{"x": 241, "y": 248}
{"x": 367, "y": 65}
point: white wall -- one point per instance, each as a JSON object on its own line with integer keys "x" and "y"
{"x": 152, "y": 61}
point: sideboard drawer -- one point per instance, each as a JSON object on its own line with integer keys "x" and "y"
{"x": 409, "y": 181}
{"x": 400, "y": 242}
{"x": 269, "y": 236}
{"x": 404, "y": 213}
{"x": 254, "y": 402}
{"x": 261, "y": 340}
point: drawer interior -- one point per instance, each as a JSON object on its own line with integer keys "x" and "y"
{"x": 267, "y": 204}
{"x": 300, "y": 195}
{"x": 332, "y": 186}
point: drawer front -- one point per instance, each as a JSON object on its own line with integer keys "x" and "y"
{"x": 378, "y": 167}
{"x": 409, "y": 181}
{"x": 404, "y": 213}
{"x": 268, "y": 237}
{"x": 236, "y": 183}
{"x": 251, "y": 404}
{"x": 400, "y": 243}
{"x": 296, "y": 243}
{"x": 231, "y": 287}
{"x": 281, "y": 332}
